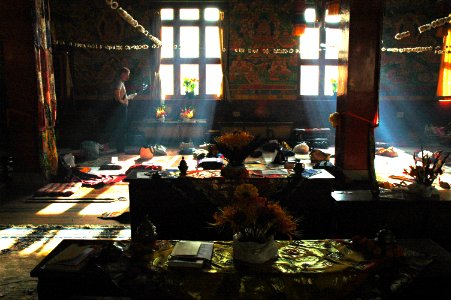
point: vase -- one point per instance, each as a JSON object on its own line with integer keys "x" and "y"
{"x": 253, "y": 252}
{"x": 418, "y": 191}
{"x": 161, "y": 119}
{"x": 234, "y": 170}
{"x": 189, "y": 95}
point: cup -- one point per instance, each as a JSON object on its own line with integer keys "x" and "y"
{"x": 114, "y": 159}
{"x": 268, "y": 156}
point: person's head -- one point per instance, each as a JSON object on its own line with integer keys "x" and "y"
{"x": 124, "y": 73}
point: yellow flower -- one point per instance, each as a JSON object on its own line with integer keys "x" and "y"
{"x": 334, "y": 119}
{"x": 160, "y": 111}
{"x": 187, "y": 112}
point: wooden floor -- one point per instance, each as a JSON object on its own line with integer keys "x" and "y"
{"x": 14, "y": 210}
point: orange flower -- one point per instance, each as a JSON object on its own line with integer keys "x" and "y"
{"x": 187, "y": 113}
{"x": 254, "y": 217}
{"x": 236, "y": 146}
{"x": 334, "y": 119}
{"x": 160, "y": 111}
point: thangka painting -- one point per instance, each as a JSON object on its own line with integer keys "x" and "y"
{"x": 263, "y": 51}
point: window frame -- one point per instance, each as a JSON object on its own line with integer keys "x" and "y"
{"x": 202, "y": 60}
{"x": 321, "y": 62}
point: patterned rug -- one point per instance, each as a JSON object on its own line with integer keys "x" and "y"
{"x": 107, "y": 193}
{"x": 42, "y": 238}
{"x": 23, "y": 247}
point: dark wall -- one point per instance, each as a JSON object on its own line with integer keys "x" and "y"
{"x": 410, "y": 76}
{"x": 19, "y": 73}
{"x": 408, "y": 81}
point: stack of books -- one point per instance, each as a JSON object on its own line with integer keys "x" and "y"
{"x": 191, "y": 254}
{"x": 71, "y": 259}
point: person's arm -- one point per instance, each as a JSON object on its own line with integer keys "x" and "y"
{"x": 131, "y": 96}
{"x": 117, "y": 95}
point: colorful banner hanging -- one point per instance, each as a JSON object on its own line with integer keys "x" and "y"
{"x": 46, "y": 90}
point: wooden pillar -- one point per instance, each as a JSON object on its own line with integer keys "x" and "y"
{"x": 358, "y": 88}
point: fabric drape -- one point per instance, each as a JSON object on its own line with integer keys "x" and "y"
{"x": 155, "y": 56}
{"x": 444, "y": 80}
{"x": 224, "y": 32}
{"x": 46, "y": 89}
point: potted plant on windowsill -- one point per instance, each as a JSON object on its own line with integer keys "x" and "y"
{"x": 190, "y": 86}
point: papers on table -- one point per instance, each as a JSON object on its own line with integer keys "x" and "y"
{"x": 191, "y": 254}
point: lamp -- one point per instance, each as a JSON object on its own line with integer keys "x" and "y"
{"x": 299, "y": 23}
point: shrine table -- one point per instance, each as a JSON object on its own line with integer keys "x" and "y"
{"x": 305, "y": 269}
{"x": 182, "y": 207}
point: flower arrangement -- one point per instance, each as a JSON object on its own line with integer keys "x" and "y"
{"x": 427, "y": 168}
{"x": 334, "y": 119}
{"x": 186, "y": 112}
{"x": 236, "y": 146}
{"x": 190, "y": 85}
{"x": 160, "y": 112}
{"x": 254, "y": 218}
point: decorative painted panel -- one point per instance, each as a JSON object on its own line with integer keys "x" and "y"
{"x": 407, "y": 75}
{"x": 258, "y": 30}
{"x": 94, "y": 22}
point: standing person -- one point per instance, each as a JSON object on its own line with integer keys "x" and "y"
{"x": 121, "y": 100}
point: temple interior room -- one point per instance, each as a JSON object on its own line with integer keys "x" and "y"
{"x": 225, "y": 149}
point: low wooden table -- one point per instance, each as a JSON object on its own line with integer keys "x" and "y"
{"x": 359, "y": 213}
{"x": 314, "y": 269}
{"x": 173, "y": 131}
{"x": 182, "y": 207}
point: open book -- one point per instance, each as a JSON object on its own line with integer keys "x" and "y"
{"x": 191, "y": 254}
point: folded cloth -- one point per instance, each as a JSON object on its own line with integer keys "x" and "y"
{"x": 389, "y": 152}
{"x": 91, "y": 180}
{"x": 58, "y": 189}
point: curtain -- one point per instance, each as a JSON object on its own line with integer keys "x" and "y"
{"x": 155, "y": 56}
{"x": 444, "y": 79}
{"x": 224, "y": 33}
{"x": 46, "y": 89}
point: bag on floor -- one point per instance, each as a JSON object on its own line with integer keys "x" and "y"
{"x": 90, "y": 150}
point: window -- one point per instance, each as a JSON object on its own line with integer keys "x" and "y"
{"x": 191, "y": 50}
{"x": 318, "y": 48}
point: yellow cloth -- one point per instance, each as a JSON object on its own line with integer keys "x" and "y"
{"x": 312, "y": 269}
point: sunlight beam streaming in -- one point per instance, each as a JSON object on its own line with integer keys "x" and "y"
{"x": 123, "y": 234}
{"x": 34, "y": 247}
{"x": 93, "y": 209}
{"x": 8, "y": 237}
{"x": 55, "y": 208}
